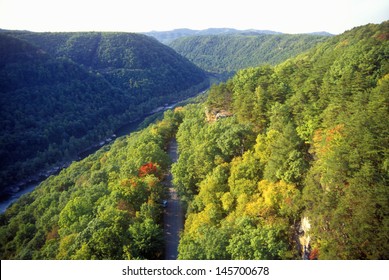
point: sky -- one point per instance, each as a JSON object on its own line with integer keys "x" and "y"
{"x": 287, "y": 16}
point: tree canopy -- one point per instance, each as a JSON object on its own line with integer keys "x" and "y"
{"x": 226, "y": 54}
{"x": 60, "y": 93}
{"x": 280, "y": 162}
{"x": 320, "y": 155}
{"x": 107, "y": 206}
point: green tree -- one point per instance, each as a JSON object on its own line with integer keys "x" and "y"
{"x": 146, "y": 239}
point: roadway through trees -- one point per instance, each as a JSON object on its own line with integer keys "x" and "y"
{"x": 173, "y": 214}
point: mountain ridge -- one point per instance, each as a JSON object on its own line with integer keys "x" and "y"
{"x": 228, "y": 53}
{"x": 83, "y": 86}
{"x": 167, "y": 37}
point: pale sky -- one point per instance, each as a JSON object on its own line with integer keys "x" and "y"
{"x": 287, "y": 16}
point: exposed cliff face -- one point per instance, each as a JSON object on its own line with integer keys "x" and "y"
{"x": 213, "y": 115}
{"x": 303, "y": 238}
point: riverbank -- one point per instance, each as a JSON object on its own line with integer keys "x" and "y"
{"x": 14, "y": 192}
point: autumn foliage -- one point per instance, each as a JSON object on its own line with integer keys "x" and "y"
{"x": 148, "y": 168}
{"x": 314, "y": 255}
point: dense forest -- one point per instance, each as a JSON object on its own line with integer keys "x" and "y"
{"x": 228, "y": 53}
{"x": 107, "y": 206}
{"x": 280, "y": 162}
{"x": 62, "y": 92}
{"x": 292, "y": 160}
{"x": 135, "y": 63}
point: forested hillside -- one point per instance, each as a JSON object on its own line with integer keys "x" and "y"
{"x": 107, "y": 206}
{"x": 300, "y": 169}
{"x": 132, "y": 62}
{"x": 229, "y": 53}
{"x": 62, "y": 92}
{"x": 280, "y": 162}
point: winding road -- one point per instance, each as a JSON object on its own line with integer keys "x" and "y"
{"x": 173, "y": 214}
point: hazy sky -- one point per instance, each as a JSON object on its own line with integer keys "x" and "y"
{"x": 288, "y": 16}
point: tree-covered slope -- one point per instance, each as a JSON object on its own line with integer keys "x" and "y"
{"x": 293, "y": 164}
{"x": 107, "y": 206}
{"x": 301, "y": 168}
{"x": 62, "y": 92}
{"x": 229, "y": 53}
{"x": 136, "y": 63}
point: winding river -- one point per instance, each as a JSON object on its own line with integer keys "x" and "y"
{"x": 16, "y": 192}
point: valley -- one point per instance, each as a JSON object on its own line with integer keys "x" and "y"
{"x": 287, "y": 149}
{"x": 64, "y": 92}
{"x": 11, "y": 193}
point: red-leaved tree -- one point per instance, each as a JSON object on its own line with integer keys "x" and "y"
{"x": 314, "y": 255}
{"x": 148, "y": 168}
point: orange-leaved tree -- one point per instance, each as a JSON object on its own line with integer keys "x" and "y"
{"x": 148, "y": 168}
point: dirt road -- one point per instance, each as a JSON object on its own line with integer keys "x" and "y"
{"x": 173, "y": 214}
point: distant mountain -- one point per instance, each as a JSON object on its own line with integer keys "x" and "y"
{"x": 132, "y": 62}
{"x": 62, "y": 92}
{"x": 167, "y": 37}
{"x": 231, "y": 52}
{"x": 321, "y": 33}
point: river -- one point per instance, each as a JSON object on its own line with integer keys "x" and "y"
{"x": 16, "y": 192}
